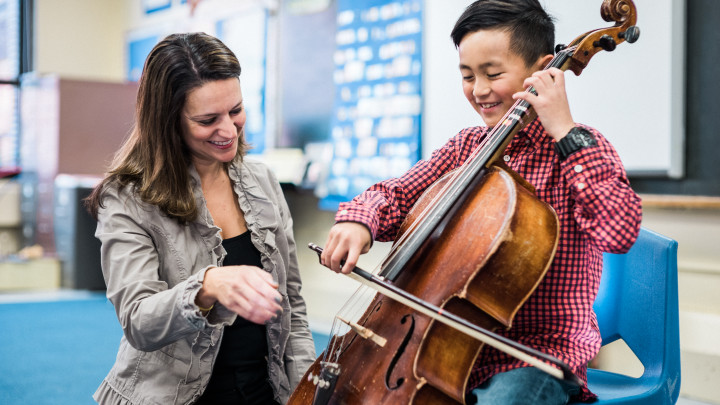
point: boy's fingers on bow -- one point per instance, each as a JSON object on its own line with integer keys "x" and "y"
{"x": 341, "y": 255}
{"x": 327, "y": 251}
{"x": 351, "y": 260}
{"x": 333, "y": 243}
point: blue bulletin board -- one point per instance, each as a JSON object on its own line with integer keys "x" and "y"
{"x": 375, "y": 128}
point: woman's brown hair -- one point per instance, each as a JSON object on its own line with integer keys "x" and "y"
{"x": 154, "y": 160}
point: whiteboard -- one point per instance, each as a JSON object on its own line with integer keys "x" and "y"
{"x": 634, "y": 96}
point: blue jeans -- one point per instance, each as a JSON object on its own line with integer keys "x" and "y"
{"x": 523, "y": 386}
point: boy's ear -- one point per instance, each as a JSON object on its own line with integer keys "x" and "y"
{"x": 543, "y": 61}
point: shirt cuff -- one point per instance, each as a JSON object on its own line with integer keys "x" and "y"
{"x": 219, "y": 315}
{"x": 350, "y": 212}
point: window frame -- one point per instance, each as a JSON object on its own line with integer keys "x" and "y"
{"x": 24, "y": 65}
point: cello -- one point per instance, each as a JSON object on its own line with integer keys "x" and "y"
{"x": 470, "y": 253}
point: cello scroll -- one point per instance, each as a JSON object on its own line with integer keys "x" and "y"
{"x": 624, "y": 14}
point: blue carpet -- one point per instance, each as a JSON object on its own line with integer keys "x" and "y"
{"x": 58, "y": 352}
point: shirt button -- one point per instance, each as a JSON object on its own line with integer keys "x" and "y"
{"x": 343, "y": 212}
{"x": 506, "y": 158}
{"x": 580, "y": 186}
{"x": 578, "y": 168}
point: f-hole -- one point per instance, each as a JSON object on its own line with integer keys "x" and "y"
{"x": 400, "y": 352}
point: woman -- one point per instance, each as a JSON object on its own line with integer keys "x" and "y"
{"x": 197, "y": 246}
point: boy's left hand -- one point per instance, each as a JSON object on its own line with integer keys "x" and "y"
{"x": 550, "y": 103}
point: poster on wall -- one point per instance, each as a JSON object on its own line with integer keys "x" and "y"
{"x": 375, "y": 130}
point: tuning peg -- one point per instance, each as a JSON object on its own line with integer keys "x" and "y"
{"x": 559, "y": 47}
{"x": 317, "y": 380}
{"x": 631, "y": 34}
{"x": 606, "y": 42}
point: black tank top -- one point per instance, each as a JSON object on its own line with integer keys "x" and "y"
{"x": 240, "y": 374}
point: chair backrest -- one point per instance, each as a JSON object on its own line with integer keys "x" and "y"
{"x": 638, "y": 302}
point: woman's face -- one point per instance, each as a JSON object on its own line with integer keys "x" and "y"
{"x": 212, "y": 120}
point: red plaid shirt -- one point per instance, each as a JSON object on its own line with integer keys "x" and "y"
{"x": 598, "y": 212}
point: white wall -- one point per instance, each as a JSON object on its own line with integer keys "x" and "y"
{"x": 81, "y": 39}
{"x": 85, "y": 39}
{"x": 445, "y": 109}
{"x": 633, "y": 95}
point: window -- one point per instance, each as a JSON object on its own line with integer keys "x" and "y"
{"x": 13, "y": 45}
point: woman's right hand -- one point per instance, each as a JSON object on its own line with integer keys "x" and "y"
{"x": 248, "y": 291}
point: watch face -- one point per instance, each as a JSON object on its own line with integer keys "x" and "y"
{"x": 583, "y": 138}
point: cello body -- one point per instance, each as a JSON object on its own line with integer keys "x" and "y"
{"x": 487, "y": 261}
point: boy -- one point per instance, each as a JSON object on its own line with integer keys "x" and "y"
{"x": 503, "y": 46}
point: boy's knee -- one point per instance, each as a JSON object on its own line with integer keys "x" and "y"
{"x": 522, "y": 386}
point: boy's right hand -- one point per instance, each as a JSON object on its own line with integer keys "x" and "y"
{"x": 345, "y": 243}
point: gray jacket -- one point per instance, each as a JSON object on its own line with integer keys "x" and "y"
{"x": 154, "y": 266}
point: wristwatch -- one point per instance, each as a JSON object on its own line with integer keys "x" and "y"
{"x": 578, "y": 138}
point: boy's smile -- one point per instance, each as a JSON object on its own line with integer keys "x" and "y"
{"x": 491, "y": 73}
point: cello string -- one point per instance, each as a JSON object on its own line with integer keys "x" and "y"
{"x": 352, "y": 309}
{"x": 337, "y": 336}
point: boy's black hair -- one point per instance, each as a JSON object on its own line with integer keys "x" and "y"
{"x": 532, "y": 31}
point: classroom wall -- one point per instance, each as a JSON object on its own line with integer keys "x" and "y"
{"x": 64, "y": 47}
{"x": 80, "y": 38}
{"x": 702, "y": 173}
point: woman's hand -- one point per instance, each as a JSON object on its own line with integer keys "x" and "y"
{"x": 551, "y": 102}
{"x": 248, "y": 291}
{"x": 346, "y": 242}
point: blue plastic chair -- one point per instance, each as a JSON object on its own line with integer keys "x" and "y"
{"x": 638, "y": 302}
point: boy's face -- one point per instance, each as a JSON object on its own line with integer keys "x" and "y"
{"x": 492, "y": 73}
